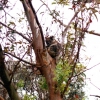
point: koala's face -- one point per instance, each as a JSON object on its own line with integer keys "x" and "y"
{"x": 54, "y": 50}
{"x": 49, "y": 40}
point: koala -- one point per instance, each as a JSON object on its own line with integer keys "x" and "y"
{"x": 53, "y": 46}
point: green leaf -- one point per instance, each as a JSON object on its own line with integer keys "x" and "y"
{"x": 20, "y": 84}
{"x": 54, "y": 3}
{"x": 12, "y": 23}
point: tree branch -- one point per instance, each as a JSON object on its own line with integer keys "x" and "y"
{"x": 16, "y": 32}
{"x": 93, "y": 33}
{"x": 38, "y": 23}
{"x": 19, "y": 58}
{"x": 37, "y": 35}
{"x": 95, "y": 96}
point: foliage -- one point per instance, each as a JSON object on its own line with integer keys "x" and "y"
{"x": 62, "y": 74}
{"x": 29, "y": 97}
{"x": 75, "y": 88}
{"x": 42, "y": 83}
{"x": 64, "y": 2}
{"x": 20, "y": 84}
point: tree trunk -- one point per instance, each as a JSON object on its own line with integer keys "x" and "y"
{"x": 48, "y": 73}
{"x": 6, "y": 79}
{"x": 43, "y": 59}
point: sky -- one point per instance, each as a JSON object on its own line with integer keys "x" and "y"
{"x": 92, "y": 76}
{"x": 91, "y": 42}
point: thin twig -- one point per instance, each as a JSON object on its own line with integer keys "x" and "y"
{"x": 61, "y": 23}
{"x": 15, "y": 68}
{"x": 95, "y": 96}
{"x": 93, "y": 33}
{"x": 86, "y": 70}
{"x": 65, "y": 30}
{"x": 94, "y": 85}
